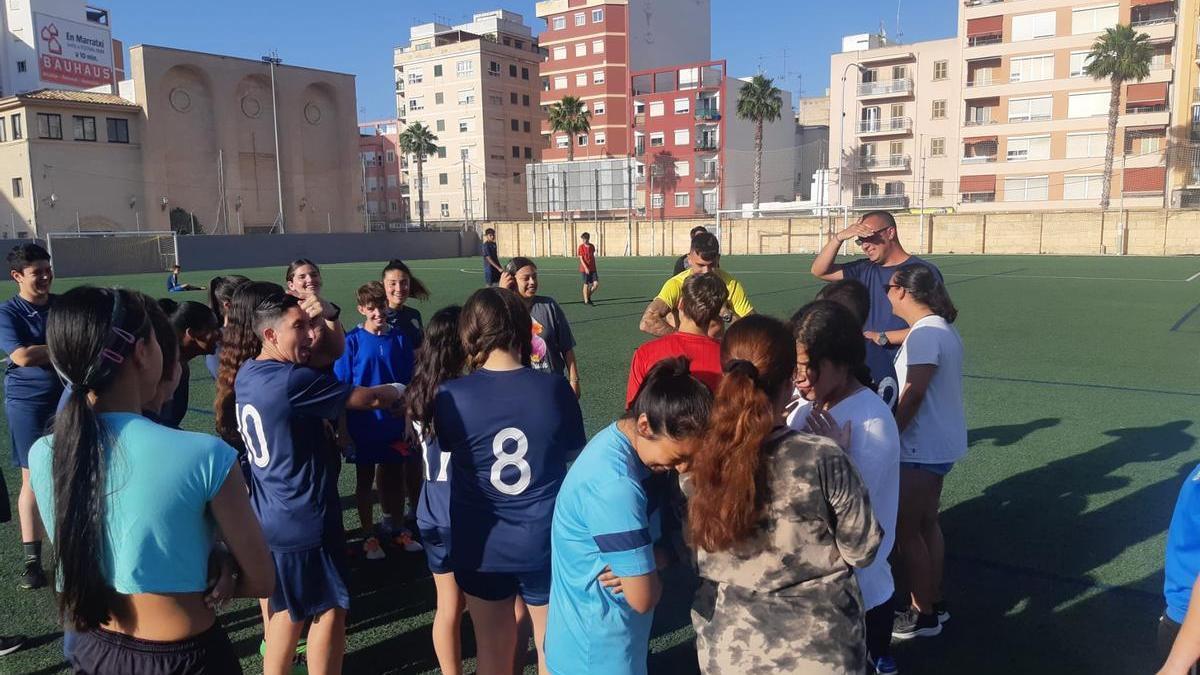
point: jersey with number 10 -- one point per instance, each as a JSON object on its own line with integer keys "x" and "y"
{"x": 281, "y": 413}
{"x": 509, "y": 435}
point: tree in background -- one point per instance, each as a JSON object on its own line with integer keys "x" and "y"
{"x": 1120, "y": 54}
{"x": 417, "y": 140}
{"x": 759, "y": 101}
{"x": 570, "y": 116}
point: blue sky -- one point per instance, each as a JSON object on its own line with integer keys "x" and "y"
{"x": 357, "y": 37}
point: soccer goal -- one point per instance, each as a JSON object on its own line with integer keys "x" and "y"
{"x": 76, "y": 254}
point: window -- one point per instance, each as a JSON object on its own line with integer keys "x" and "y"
{"x": 597, "y": 15}
{"x": 466, "y": 96}
{"x": 1088, "y": 104}
{"x": 580, "y": 19}
{"x": 1026, "y": 109}
{"x": 937, "y": 188}
{"x": 560, "y": 141}
{"x": 3, "y": 130}
{"x": 939, "y": 109}
{"x": 438, "y": 98}
{"x": 1084, "y": 145}
{"x": 464, "y": 125}
{"x": 1021, "y": 148}
{"x": 440, "y": 125}
{"x": 597, "y": 77}
{"x": 941, "y": 70}
{"x": 441, "y": 152}
{"x": 519, "y": 44}
{"x": 639, "y": 107}
{"x": 528, "y": 153}
{"x": 683, "y": 168}
{"x": 516, "y": 178}
{"x": 601, "y": 138}
{"x": 656, "y": 108}
{"x": 682, "y": 106}
{"x": 597, "y": 46}
{"x": 21, "y": 67}
{"x": 525, "y": 126}
{"x": 85, "y": 128}
{"x": 392, "y": 203}
{"x": 937, "y": 147}
{"x": 524, "y": 73}
{"x": 416, "y": 75}
{"x": 656, "y": 201}
{"x": 1093, "y": 19}
{"x": 512, "y": 70}
{"x": 682, "y": 199}
{"x": 443, "y": 179}
{"x": 560, "y": 22}
{"x": 598, "y": 108}
{"x": 494, "y": 69}
{"x": 581, "y": 140}
{"x": 495, "y": 99}
{"x": 17, "y": 132}
{"x": 1079, "y": 61}
{"x": 437, "y": 70}
{"x": 580, "y": 79}
{"x": 515, "y": 125}
{"x": 1026, "y": 188}
{"x": 682, "y": 137}
{"x": 464, "y": 68}
{"x": 1032, "y": 26}
{"x": 512, "y": 97}
{"x": 580, "y": 49}
{"x": 1031, "y": 68}
{"x": 516, "y": 152}
{"x": 445, "y": 210}
{"x": 17, "y": 188}
{"x": 656, "y": 139}
{"x": 49, "y": 126}
{"x": 118, "y": 130}
{"x": 525, "y": 100}
{"x": 1082, "y": 187}
{"x": 559, "y": 53}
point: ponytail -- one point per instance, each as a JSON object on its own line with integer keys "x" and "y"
{"x": 439, "y": 358}
{"x": 926, "y": 288}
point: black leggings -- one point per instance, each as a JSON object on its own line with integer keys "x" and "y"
{"x": 101, "y": 652}
{"x": 879, "y": 630}
{"x": 1167, "y": 631}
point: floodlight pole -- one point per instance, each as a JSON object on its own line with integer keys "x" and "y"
{"x": 274, "y": 60}
{"x": 842, "y": 126}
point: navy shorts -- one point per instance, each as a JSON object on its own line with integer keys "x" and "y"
{"x": 590, "y": 277}
{"x": 100, "y": 652}
{"x": 533, "y": 587}
{"x": 436, "y": 541}
{"x": 27, "y": 422}
{"x": 310, "y": 582}
{"x": 935, "y": 469}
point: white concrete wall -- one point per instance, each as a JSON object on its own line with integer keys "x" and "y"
{"x": 779, "y": 153}
{"x": 669, "y": 32}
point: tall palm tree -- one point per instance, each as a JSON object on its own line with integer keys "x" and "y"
{"x": 1120, "y": 54}
{"x": 417, "y": 140}
{"x": 759, "y": 101}
{"x": 569, "y": 116}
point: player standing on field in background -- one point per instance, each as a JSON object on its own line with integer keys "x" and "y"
{"x": 587, "y": 268}
{"x": 879, "y": 239}
{"x": 31, "y": 387}
{"x": 491, "y": 258}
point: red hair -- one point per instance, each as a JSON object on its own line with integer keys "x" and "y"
{"x": 758, "y": 356}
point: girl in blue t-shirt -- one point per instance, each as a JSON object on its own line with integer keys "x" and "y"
{"x": 510, "y": 431}
{"x": 439, "y": 360}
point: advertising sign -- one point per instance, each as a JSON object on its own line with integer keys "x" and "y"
{"x": 73, "y": 54}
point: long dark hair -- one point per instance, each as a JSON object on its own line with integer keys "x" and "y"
{"x": 675, "y": 403}
{"x": 239, "y": 343}
{"x": 439, "y": 358}
{"x": 926, "y": 288}
{"x": 416, "y": 288}
{"x": 90, "y": 334}
{"x": 297, "y": 264}
{"x": 758, "y": 356}
{"x": 830, "y": 331}
{"x": 188, "y": 315}
{"x": 220, "y": 293}
{"x": 495, "y": 318}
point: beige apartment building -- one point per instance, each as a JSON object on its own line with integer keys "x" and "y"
{"x": 1183, "y": 178}
{"x": 476, "y": 86}
{"x": 894, "y": 124}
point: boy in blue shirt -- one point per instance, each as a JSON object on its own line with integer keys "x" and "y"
{"x": 376, "y": 354}
{"x": 174, "y": 285}
{"x": 604, "y": 566}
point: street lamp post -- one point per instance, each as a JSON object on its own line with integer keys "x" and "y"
{"x": 842, "y": 126}
{"x": 274, "y": 60}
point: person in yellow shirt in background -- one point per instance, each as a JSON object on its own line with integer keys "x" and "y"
{"x": 660, "y": 317}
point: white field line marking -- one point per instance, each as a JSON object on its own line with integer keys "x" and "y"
{"x": 1194, "y": 276}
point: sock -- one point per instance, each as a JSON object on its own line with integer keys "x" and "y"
{"x": 33, "y": 551}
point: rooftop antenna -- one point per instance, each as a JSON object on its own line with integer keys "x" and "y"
{"x": 898, "y": 33}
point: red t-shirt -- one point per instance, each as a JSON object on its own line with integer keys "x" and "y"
{"x": 704, "y": 352}
{"x": 587, "y": 258}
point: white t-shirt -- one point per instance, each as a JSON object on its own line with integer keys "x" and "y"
{"x": 937, "y": 434}
{"x": 875, "y": 452}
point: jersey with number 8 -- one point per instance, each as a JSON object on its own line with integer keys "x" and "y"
{"x": 509, "y": 435}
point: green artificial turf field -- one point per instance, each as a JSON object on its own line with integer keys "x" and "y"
{"x": 1081, "y": 386}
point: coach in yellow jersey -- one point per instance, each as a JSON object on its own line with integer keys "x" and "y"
{"x": 704, "y": 257}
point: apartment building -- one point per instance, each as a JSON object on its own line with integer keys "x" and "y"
{"x": 1035, "y": 125}
{"x": 384, "y": 188}
{"x": 1183, "y": 178}
{"x": 894, "y": 124}
{"x": 811, "y": 143}
{"x": 476, "y": 86}
{"x": 593, "y": 46}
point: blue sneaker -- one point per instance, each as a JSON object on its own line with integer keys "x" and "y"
{"x": 886, "y": 665}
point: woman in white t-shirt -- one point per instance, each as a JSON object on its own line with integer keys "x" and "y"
{"x": 833, "y": 381}
{"x": 933, "y": 436}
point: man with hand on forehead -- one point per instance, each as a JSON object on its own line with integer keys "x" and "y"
{"x": 876, "y": 234}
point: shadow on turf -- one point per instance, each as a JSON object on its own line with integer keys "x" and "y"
{"x": 1007, "y": 434}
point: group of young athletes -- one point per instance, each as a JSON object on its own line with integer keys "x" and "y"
{"x": 764, "y": 455}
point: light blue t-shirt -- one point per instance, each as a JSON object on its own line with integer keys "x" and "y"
{"x": 159, "y": 530}
{"x": 601, "y": 519}
{"x": 1183, "y": 548}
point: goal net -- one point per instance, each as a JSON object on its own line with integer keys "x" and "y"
{"x": 77, "y": 254}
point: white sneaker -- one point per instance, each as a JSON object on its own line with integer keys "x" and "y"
{"x": 404, "y": 540}
{"x": 373, "y": 550}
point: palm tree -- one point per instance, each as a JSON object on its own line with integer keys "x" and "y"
{"x": 417, "y": 140}
{"x": 571, "y": 117}
{"x": 759, "y": 101}
{"x": 1121, "y": 54}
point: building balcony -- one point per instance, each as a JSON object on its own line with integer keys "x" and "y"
{"x": 978, "y": 197}
{"x": 399, "y": 86}
{"x": 978, "y": 159}
{"x": 891, "y": 126}
{"x": 977, "y": 3}
{"x": 886, "y": 88}
{"x": 708, "y": 176}
{"x": 979, "y": 121}
{"x": 639, "y": 120}
{"x": 885, "y": 163}
{"x": 881, "y": 202}
{"x": 706, "y": 144}
{"x": 985, "y": 39}
{"x": 707, "y": 115}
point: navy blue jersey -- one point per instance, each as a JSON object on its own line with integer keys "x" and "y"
{"x": 213, "y": 362}
{"x": 882, "y": 364}
{"x": 371, "y": 360}
{"x": 509, "y": 435}
{"x": 490, "y": 274}
{"x": 23, "y": 324}
{"x": 407, "y": 321}
{"x": 433, "y": 508}
{"x": 281, "y": 412}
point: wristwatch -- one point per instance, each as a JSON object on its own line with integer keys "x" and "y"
{"x": 882, "y": 339}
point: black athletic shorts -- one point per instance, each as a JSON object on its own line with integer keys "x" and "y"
{"x": 101, "y": 652}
